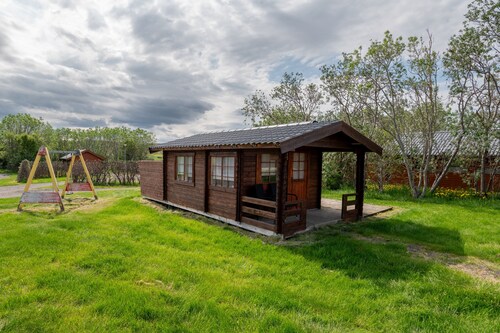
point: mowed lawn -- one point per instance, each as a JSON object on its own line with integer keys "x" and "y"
{"x": 121, "y": 265}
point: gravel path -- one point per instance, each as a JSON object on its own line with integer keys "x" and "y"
{"x": 17, "y": 190}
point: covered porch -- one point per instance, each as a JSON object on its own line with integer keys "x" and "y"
{"x": 331, "y": 213}
{"x": 285, "y": 195}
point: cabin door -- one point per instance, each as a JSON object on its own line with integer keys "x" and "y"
{"x": 297, "y": 176}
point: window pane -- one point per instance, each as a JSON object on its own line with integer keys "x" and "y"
{"x": 299, "y": 165}
{"x": 268, "y": 168}
{"x": 228, "y": 176}
{"x": 189, "y": 168}
{"x": 216, "y": 170}
{"x": 223, "y": 171}
{"x": 180, "y": 168}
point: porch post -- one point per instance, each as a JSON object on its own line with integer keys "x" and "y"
{"x": 360, "y": 182}
{"x": 165, "y": 175}
{"x": 281, "y": 192}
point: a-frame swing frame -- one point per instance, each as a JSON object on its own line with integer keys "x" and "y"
{"x": 89, "y": 186}
{"x": 41, "y": 196}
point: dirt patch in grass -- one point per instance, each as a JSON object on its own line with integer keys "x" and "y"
{"x": 471, "y": 266}
{"x": 475, "y": 267}
{"x": 70, "y": 205}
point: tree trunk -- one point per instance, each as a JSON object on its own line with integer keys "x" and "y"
{"x": 482, "y": 181}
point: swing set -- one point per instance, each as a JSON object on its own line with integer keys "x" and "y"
{"x": 53, "y": 196}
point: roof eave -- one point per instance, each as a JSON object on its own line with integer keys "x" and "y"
{"x": 330, "y": 129}
{"x": 155, "y": 149}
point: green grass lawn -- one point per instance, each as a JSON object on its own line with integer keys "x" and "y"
{"x": 11, "y": 179}
{"x": 120, "y": 265}
{"x": 459, "y": 226}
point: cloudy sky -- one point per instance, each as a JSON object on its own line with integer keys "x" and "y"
{"x": 181, "y": 67}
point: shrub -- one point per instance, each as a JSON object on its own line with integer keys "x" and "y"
{"x": 333, "y": 181}
{"x": 24, "y": 171}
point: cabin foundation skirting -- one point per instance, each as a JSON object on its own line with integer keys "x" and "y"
{"x": 216, "y": 217}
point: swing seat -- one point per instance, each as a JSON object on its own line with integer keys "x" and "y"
{"x": 78, "y": 187}
{"x": 41, "y": 197}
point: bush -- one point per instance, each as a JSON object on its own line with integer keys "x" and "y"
{"x": 333, "y": 181}
{"x": 24, "y": 171}
{"x": 127, "y": 173}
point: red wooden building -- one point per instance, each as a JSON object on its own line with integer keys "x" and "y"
{"x": 262, "y": 179}
{"x": 88, "y": 155}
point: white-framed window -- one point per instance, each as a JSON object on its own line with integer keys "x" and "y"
{"x": 268, "y": 168}
{"x": 299, "y": 166}
{"x": 223, "y": 171}
{"x": 184, "y": 168}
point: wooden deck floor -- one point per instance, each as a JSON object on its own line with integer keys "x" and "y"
{"x": 330, "y": 213}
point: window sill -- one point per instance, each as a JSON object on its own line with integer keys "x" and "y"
{"x": 223, "y": 189}
{"x": 184, "y": 183}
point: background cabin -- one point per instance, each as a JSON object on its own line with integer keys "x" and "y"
{"x": 263, "y": 179}
{"x": 88, "y": 155}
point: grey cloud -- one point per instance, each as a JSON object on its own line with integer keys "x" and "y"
{"x": 148, "y": 112}
{"x": 78, "y": 121}
{"x": 159, "y": 32}
{"x": 75, "y": 41}
{"x": 158, "y": 76}
{"x": 33, "y": 89}
{"x": 177, "y": 59}
{"x": 5, "y": 49}
{"x": 67, "y": 3}
{"x": 95, "y": 20}
{"x": 73, "y": 62}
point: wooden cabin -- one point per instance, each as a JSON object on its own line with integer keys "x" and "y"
{"x": 263, "y": 179}
{"x": 88, "y": 155}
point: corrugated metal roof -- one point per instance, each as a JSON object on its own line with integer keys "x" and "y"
{"x": 444, "y": 143}
{"x": 248, "y": 136}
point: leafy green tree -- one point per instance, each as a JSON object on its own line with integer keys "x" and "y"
{"x": 117, "y": 143}
{"x": 20, "y": 137}
{"x": 291, "y": 101}
{"x": 472, "y": 65}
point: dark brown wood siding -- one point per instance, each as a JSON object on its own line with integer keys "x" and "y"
{"x": 187, "y": 194}
{"x": 151, "y": 173}
{"x": 249, "y": 173}
{"x": 314, "y": 181}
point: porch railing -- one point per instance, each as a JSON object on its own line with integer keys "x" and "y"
{"x": 347, "y": 202}
{"x": 263, "y": 213}
{"x": 258, "y": 212}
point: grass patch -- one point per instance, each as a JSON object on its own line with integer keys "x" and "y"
{"x": 9, "y": 178}
{"x": 459, "y": 226}
{"x": 118, "y": 265}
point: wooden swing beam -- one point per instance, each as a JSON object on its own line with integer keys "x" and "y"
{"x": 54, "y": 196}
{"x": 42, "y": 196}
{"x": 83, "y": 187}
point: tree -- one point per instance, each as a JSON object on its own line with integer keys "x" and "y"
{"x": 20, "y": 137}
{"x": 291, "y": 101}
{"x": 354, "y": 100}
{"x": 113, "y": 143}
{"x": 471, "y": 63}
